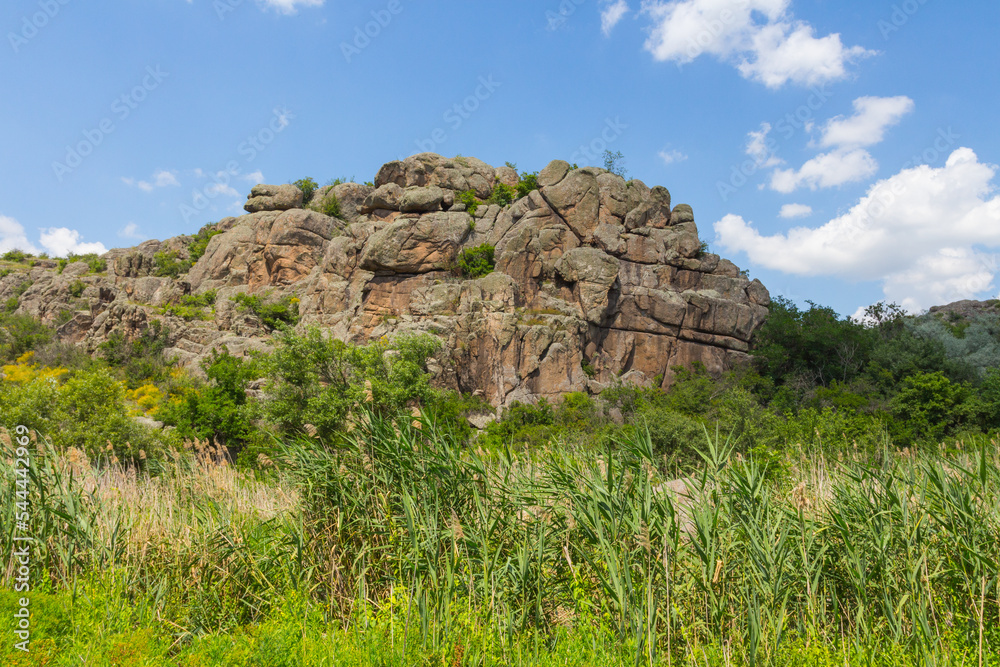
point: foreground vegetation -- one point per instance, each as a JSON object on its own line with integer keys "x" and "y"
{"x": 401, "y": 547}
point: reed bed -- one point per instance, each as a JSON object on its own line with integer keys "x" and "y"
{"x": 403, "y": 533}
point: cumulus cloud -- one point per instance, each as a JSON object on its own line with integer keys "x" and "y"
{"x": 12, "y": 236}
{"x": 789, "y": 211}
{"x": 160, "y": 179}
{"x": 612, "y": 14}
{"x": 254, "y": 177}
{"x": 759, "y": 37}
{"x": 56, "y": 241}
{"x": 848, "y": 162}
{"x": 758, "y": 148}
{"x": 922, "y": 232}
{"x": 216, "y": 189}
{"x": 672, "y": 156}
{"x": 291, "y": 6}
{"x": 61, "y": 241}
{"x": 872, "y": 116}
{"x": 130, "y": 231}
{"x": 826, "y": 170}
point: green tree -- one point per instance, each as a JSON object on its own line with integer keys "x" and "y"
{"x": 308, "y": 187}
{"x": 928, "y": 407}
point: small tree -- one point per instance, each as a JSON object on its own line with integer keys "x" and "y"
{"x": 614, "y": 162}
{"x": 308, "y": 187}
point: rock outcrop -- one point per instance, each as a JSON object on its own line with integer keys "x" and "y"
{"x": 595, "y": 279}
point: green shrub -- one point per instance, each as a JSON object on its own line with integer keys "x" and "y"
{"x": 168, "y": 263}
{"x": 5, "y": 272}
{"x": 96, "y": 264}
{"x": 308, "y": 187}
{"x": 192, "y": 306}
{"x": 317, "y": 380}
{"x": 273, "y": 315}
{"x": 928, "y": 407}
{"x": 502, "y": 195}
{"x": 217, "y": 409}
{"x": 91, "y": 412}
{"x": 140, "y": 359}
{"x": 521, "y": 424}
{"x": 20, "y": 334}
{"x": 200, "y": 243}
{"x": 76, "y": 288}
{"x": 469, "y": 199}
{"x": 331, "y": 206}
{"x": 476, "y": 262}
{"x": 15, "y": 255}
{"x": 528, "y": 182}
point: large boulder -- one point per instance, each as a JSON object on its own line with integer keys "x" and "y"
{"x": 416, "y": 245}
{"x": 459, "y": 173}
{"x": 273, "y": 198}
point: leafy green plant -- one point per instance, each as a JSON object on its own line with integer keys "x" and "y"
{"x": 476, "y": 262}
{"x": 528, "y": 182}
{"x": 308, "y": 187}
{"x": 502, "y": 195}
{"x": 318, "y": 380}
{"x": 217, "y": 409}
{"x": 331, "y": 206}
{"x": 93, "y": 261}
{"x": 199, "y": 244}
{"x": 20, "y": 334}
{"x": 139, "y": 359}
{"x": 273, "y": 314}
{"x": 15, "y": 255}
{"x": 168, "y": 263}
{"x": 469, "y": 199}
{"x": 76, "y": 288}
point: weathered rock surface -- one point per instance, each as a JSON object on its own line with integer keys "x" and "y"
{"x": 597, "y": 280}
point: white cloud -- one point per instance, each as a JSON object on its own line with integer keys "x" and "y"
{"x": 131, "y": 231}
{"x": 789, "y": 211}
{"x": 848, "y": 162}
{"x": 291, "y": 6}
{"x": 672, "y": 156}
{"x": 872, "y": 116}
{"x": 921, "y": 232}
{"x": 160, "y": 179}
{"x": 255, "y": 177}
{"x": 759, "y": 37}
{"x": 611, "y": 15}
{"x": 759, "y": 148}
{"x": 216, "y": 189}
{"x": 826, "y": 170}
{"x": 12, "y": 236}
{"x": 60, "y": 241}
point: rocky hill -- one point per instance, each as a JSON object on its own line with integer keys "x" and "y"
{"x": 595, "y": 278}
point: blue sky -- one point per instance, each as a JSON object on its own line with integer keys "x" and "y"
{"x": 844, "y": 152}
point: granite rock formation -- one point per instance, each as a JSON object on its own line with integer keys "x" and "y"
{"x": 597, "y": 279}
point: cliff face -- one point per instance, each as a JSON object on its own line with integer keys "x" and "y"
{"x": 596, "y": 278}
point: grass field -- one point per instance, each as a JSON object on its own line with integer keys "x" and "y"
{"x": 401, "y": 547}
